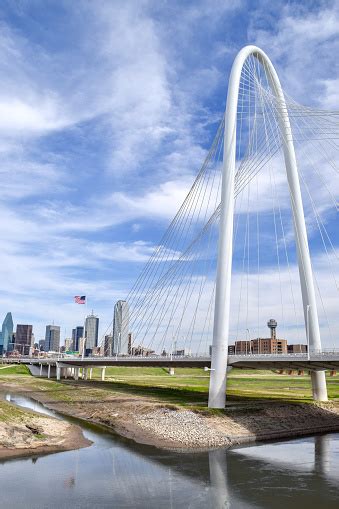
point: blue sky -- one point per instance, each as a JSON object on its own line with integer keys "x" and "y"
{"x": 107, "y": 109}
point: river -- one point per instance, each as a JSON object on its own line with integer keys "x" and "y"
{"x": 117, "y": 473}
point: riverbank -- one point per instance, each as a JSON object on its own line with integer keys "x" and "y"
{"x": 152, "y": 420}
{"x": 25, "y": 433}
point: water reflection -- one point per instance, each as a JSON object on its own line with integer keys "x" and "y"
{"x": 117, "y": 473}
{"x": 322, "y": 454}
{"x": 220, "y": 495}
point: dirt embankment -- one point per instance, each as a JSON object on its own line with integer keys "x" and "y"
{"x": 153, "y": 422}
{"x": 25, "y": 433}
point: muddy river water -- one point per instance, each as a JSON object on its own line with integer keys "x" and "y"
{"x": 117, "y": 473}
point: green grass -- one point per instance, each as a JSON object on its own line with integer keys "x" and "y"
{"x": 40, "y": 436}
{"x": 13, "y": 369}
{"x": 11, "y": 413}
{"x": 188, "y": 387}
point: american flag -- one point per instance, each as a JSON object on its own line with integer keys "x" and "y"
{"x": 80, "y": 299}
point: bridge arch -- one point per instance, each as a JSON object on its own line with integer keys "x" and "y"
{"x": 217, "y": 389}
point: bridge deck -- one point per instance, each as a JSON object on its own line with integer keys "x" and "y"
{"x": 323, "y": 361}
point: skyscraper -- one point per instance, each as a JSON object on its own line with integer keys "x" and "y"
{"x": 7, "y": 331}
{"x": 52, "y": 338}
{"x": 23, "y": 338}
{"x": 120, "y": 327}
{"x": 68, "y": 344}
{"x": 77, "y": 333}
{"x": 108, "y": 342}
{"x": 91, "y": 333}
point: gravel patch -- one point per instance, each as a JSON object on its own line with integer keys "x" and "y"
{"x": 184, "y": 427}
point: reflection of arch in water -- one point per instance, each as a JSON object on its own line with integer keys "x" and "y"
{"x": 248, "y": 482}
{"x": 292, "y": 485}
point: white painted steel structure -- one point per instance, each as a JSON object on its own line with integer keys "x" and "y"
{"x": 217, "y": 389}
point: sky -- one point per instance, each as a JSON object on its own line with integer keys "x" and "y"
{"x": 107, "y": 110}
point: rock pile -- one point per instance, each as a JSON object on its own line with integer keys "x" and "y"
{"x": 182, "y": 427}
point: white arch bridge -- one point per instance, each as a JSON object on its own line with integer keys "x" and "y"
{"x": 267, "y": 196}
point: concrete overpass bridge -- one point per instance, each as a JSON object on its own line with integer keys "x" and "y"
{"x": 70, "y": 366}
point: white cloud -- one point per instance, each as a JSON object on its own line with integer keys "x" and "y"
{"x": 303, "y": 46}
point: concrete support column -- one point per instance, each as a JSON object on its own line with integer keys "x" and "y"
{"x": 90, "y": 373}
{"x": 58, "y": 372}
{"x": 40, "y": 369}
{"x": 319, "y": 388}
{"x": 171, "y": 371}
{"x": 84, "y": 373}
{"x": 76, "y": 373}
{"x": 49, "y": 371}
{"x": 103, "y": 372}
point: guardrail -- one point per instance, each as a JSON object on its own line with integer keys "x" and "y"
{"x": 325, "y": 353}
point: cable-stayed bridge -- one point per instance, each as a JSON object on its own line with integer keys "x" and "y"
{"x": 256, "y": 237}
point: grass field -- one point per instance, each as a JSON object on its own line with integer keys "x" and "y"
{"x": 188, "y": 386}
{"x": 15, "y": 369}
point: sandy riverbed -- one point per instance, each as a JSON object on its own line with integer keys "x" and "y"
{"x": 152, "y": 422}
{"x": 25, "y": 433}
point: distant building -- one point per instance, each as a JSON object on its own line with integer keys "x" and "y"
{"x": 91, "y": 333}
{"x": 68, "y": 344}
{"x": 272, "y": 325}
{"x": 142, "y": 351}
{"x": 108, "y": 345}
{"x": 268, "y": 346}
{"x": 185, "y": 352}
{"x": 23, "y": 338}
{"x": 296, "y": 348}
{"x": 52, "y": 338}
{"x": 242, "y": 347}
{"x": 7, "y": 332}
{"x": 81, "y": 346}
{"x": 120, "y": 328}
{"x": 231, "y": 350}
{"x": 77, "y": 333}
{"x": 41, "y": 345}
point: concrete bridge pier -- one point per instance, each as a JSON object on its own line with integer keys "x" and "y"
{"x": 40, "y": 374}
{"x": 76, "y": 373}
{"x": 103, "y": 373}
{"x": 171, "y": 371}
{"x": 49, "y": 371}
{"x": 90, "y": 373}
{"x": 58, "y": 371}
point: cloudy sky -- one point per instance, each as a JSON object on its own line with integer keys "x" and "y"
{"x": 107, "y": 109}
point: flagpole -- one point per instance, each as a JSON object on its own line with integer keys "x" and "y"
{"x": 84, "y": 341}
